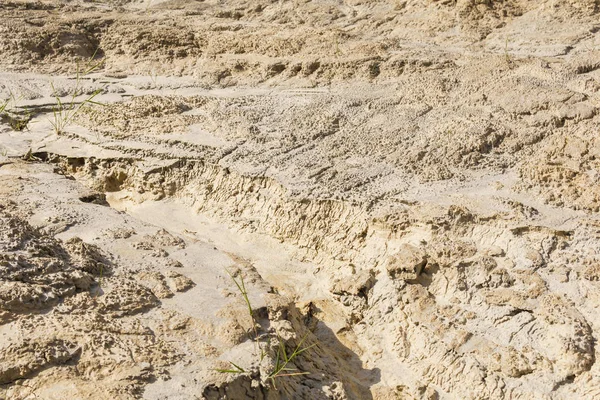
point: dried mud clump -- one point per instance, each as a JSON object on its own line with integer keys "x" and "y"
{"x": 565, "y": 171}
{"x": 27, "y": 358}
{"x": 47, "y": 283}
{"x": 36, "y": 270}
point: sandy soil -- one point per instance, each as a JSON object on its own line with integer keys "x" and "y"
{"x": 410, "y": 190}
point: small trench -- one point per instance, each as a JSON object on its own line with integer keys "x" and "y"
{"x": 223, "y": 194}
{"x": 326, "y": 231}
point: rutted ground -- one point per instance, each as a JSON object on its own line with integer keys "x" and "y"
{"x": 412, "y": 185}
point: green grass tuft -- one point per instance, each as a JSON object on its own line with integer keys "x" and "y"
{"x": 283, "y": 359}
{"x": 65, "y": 112}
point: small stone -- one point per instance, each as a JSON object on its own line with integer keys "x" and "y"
{"x": 494, "y": 251}
{"x": 407, "y": 264}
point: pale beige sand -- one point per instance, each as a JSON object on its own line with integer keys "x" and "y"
{"x": 412, "y": 186}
